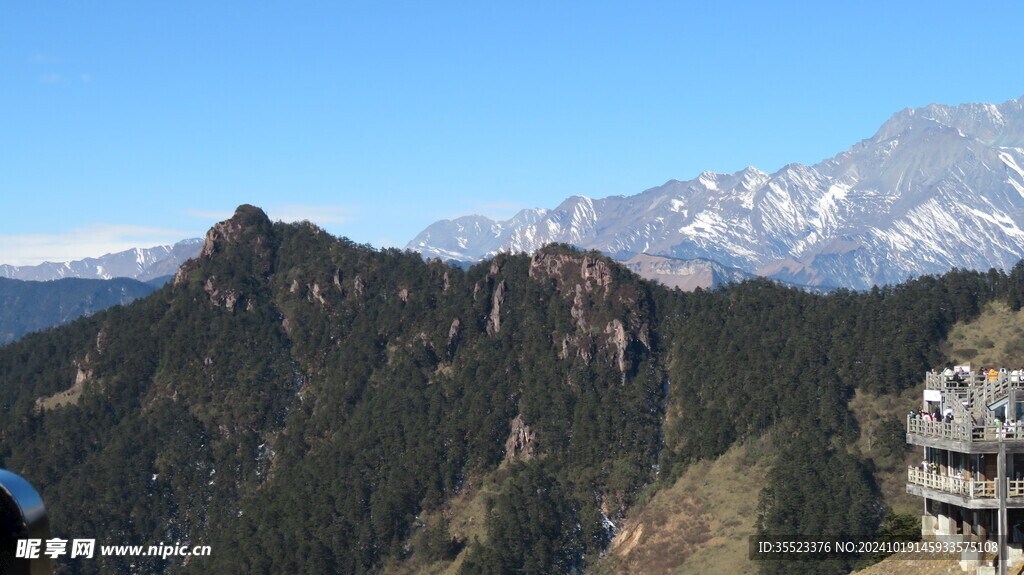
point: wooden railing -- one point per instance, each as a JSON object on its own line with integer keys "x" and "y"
{"x": 939, "y": 429}
{"x": 976, "y": 388}
{"x": 1015, "y": 488}
{"x": 1001, "y": 379}
{"x": 967, "y": 487}
{"x": 962, "y": 431}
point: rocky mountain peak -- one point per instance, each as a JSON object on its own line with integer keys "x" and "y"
{"x": 991, "y": 124}
{"x": 241, "y": 243}
{"x": 231, "y": 230}
{"x": 568, "y": 268}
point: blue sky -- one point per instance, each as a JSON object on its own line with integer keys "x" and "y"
{"x": 135, "y": 124}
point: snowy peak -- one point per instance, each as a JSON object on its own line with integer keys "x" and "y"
{"x": 142, "y": 264}
{"x": 991, "y": 124}
{"x": 687, "y": 275}
{"x": 935, "y": 188}
{"x": 470, "y": 238}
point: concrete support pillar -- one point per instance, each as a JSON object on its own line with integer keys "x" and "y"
{"x": 927, "y": 518}
{"x": 928, "y": 525}
{"x": 947, "y": 526}
{"x": 1001, "y": 493}
{"x": 946, "y": 522}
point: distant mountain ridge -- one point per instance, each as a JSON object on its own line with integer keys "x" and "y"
{"x": 685, "y": 274}
{"x": 935, "y": 188}
{"x": 27, "y": 306}
{"x": 472, "y": 238}
{"x": 142, "y": 264}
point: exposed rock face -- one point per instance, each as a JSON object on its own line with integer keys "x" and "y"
{"x": 618, "y": 340}
{"x": 596, "y": 270}
{"x": 454, "y": 335}
{"x": 181, "y": 276}
{"x": 570, "y": 271}
{"x": 519, "y": 444}
{"x": 230, "y": 231}
{"x": 494, "y": 319}
{"x": 246, "y": 231}
{"x": 221, "y": 297}
{"x": 547, "y": 264}
{"x": 84, "y": 373}
{"x": 242, "y": 242}
{"x": 316, "y": 294}
{"x": 221, "y": 233}
{"x": 585, "y": 279}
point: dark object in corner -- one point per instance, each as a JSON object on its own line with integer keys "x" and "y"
{"x": 22, "y": 516}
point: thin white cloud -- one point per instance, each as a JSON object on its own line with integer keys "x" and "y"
{"x": 49, "y": 78}
{"x": 42, "y": 59}
{"x": 216, "y": 215}
{"x": 501, "y": 210}
{"x": 90, "y": 241}
{"x": 504, "y": 206}
{"x": 316, "y": 214}
{"x": 288, "y": 213}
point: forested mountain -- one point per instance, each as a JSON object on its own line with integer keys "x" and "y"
{"x": 27, "y": 306}
{"x": 301, "y": 404}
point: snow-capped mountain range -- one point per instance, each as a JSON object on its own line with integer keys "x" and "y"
{"x": 142, "y": 264}
{"x": 685, "y": 274}
{"x": 935, "y": 188}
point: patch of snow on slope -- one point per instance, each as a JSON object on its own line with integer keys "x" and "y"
{"x": 708, "y": 180}
{"x": 1012, "y": 164}
{"x": 827, "y": 207}
{"x": 705, "y": 224}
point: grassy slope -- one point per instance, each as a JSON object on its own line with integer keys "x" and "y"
{"x": 701, "y": 524}
{"x": 890, "y": 472}
{"x": 996, "y": 338}
{"x": 467, "y": 516}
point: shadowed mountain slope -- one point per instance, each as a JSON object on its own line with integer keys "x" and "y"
{"x": 27, "y": 306}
